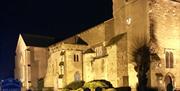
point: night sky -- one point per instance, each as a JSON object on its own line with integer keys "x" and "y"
{"x": 58, "y": 18}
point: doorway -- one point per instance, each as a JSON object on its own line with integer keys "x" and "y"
{"x": 169, "y": 83}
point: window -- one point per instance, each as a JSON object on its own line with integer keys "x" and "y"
{"x": 169, "y": 59}
{"x": 76, "y": 58}
{"x": 62, "y": 58}
{"x": 100, "y": 51}
{"x": 61, "y": 64}
{"x": 77, "y": 76}
{"x": 125, "y": 81}
{"x": 62, "y": 52}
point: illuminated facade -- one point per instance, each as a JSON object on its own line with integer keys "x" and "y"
{"x": 31, "y": 60}
{"x": 110, "y": 44}
{"x": 166, "y": 16}
{"x": 106, "y": 55}
{"x": 105, "y": 51}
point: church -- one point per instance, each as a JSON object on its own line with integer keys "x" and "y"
{"x": 105, "y": 51}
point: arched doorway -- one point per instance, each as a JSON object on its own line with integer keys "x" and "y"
{"x": 169, "y": 83}
{"x": 77, "y": 76}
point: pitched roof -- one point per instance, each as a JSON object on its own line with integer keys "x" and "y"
{"x": 90, "y": 50}
{"x": 115, "y": 39}
{"x": 75, "y": 40}
{"x": 80, "y": 41}
{"x": 37, "y": 40}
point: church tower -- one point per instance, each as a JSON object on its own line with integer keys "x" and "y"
{"x": 130, "y": 15}
{"x": 130, "y": 18}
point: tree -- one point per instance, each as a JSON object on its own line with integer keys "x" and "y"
{"x": 143, "y": 50}
{"x": 142, "y": 60}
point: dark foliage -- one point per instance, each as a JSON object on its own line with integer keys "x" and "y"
{"x": 87, "y": 89}
{"x": 152, "y": 89}
{"x": 75, "y": 85}
{"x": 40, "y": 84}
{"x": 98, "y": 89}
{"x": 123, "y": 89}
{"x": 142, "y": 59}
{"x": 104, "y": 81}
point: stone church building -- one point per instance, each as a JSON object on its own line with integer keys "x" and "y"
{"x": 31, "y": 59}
{"x": 105, "y": 51}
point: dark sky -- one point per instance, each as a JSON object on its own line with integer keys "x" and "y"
{"x": 58, "y": 18}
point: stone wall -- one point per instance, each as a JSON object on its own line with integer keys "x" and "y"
{"x": 94, "y": 35}
{"x": 72, "y": 67}
{"x": 122, "y": 63}
{"x": 38, "y": 64}
{"x": 61, "y": 52}
{"x": 20, "y": 62}
{"x": 167, "y": 31}
{"x": 111, "y": 63}
{"x": 101, "y": 68}
{"x": 87, "y": 66}
{"x": 49, "y": 81}
{"x": 109, "y": 29}
{"x": 131, "y": 17}
{"x": 30, "y": 64}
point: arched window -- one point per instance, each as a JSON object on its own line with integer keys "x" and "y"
{"x": 77, "y": 76}
{"x": 61, "y": 68}
{"x": 76, "y": 57}
{"x": 169, "y": 60}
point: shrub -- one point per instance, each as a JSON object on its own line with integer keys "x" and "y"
{"x": 123, "y": 89}
{"x": 98, "y": 89}
{"x": 87, "y": 89}
{"x": 40, "y": 84}
{"x": 74, "y": 85}
{"x": 98, "y": 83}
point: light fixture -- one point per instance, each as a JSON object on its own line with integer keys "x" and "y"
{"x": 129, "y": 20}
